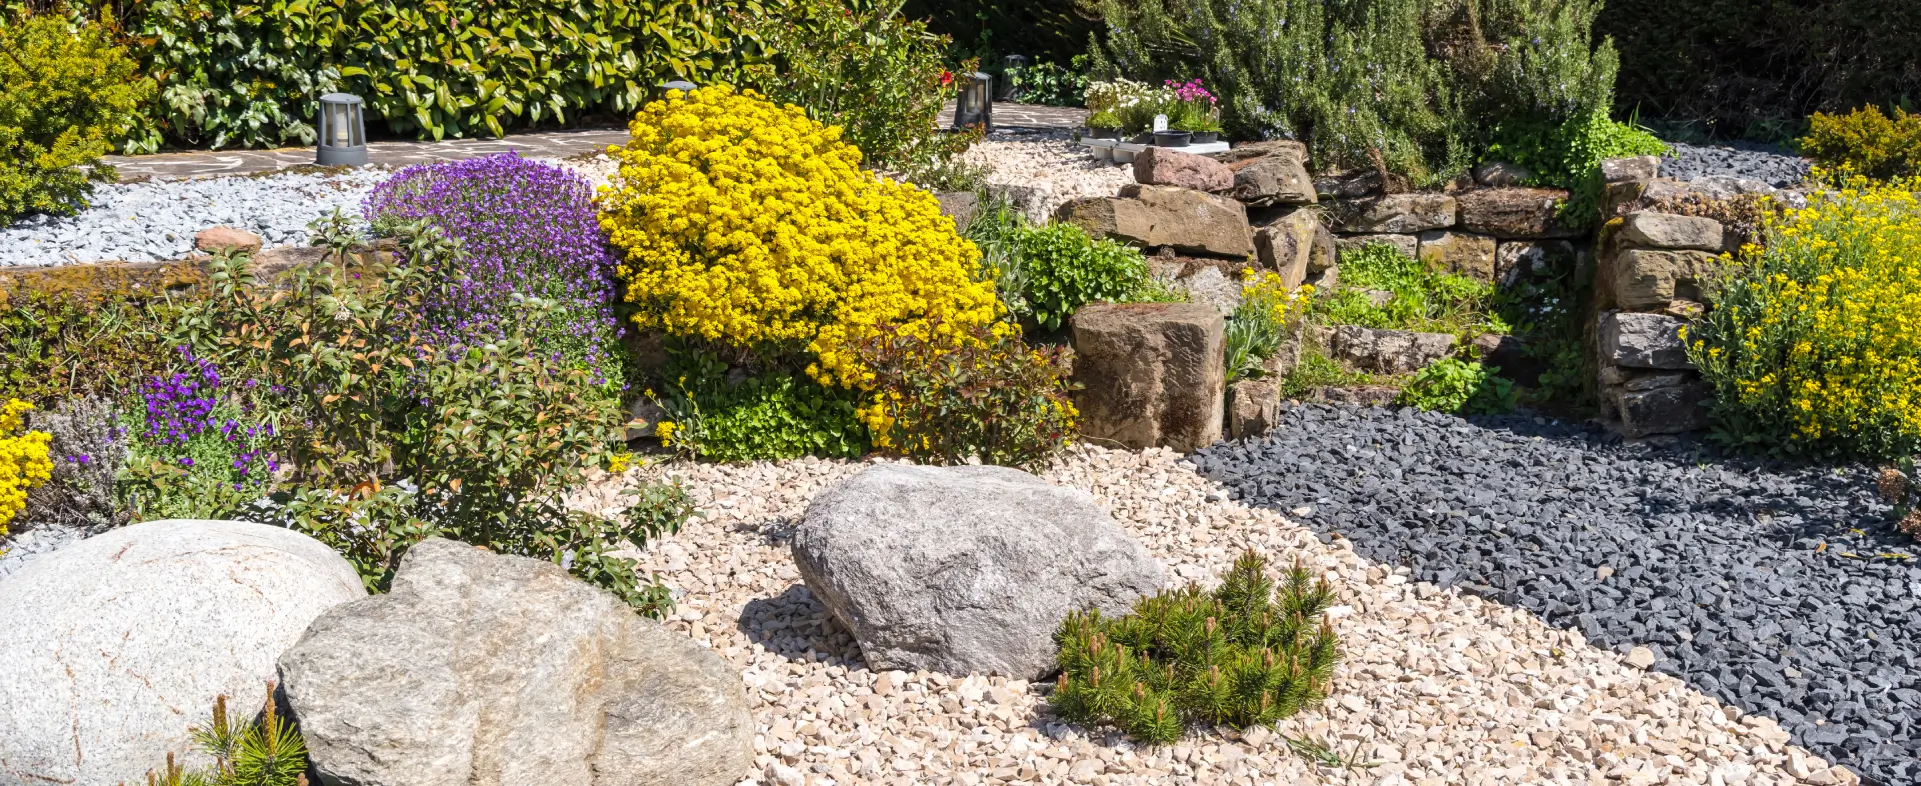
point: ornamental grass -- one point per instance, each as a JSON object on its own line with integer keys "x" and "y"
{"x": 753, "y": 229}
{"x": 1814, "y": 346}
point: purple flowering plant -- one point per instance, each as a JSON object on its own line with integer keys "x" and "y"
{"x": 1193, "y": 107}
{"x": 526, "y": 228}
{"x": 194, "y": 434}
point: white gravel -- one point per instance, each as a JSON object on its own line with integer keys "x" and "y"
{"x": 155, "y": 220}
{"x": 1042, "y": 172}
{"x": 1437, "y": 688}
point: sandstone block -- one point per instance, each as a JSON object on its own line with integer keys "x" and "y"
{"x": 1152, "y": 374}
{"x": 1459, "y": 252}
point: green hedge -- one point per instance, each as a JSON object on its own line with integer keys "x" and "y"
{"x": 246, "y": 74}
{"x": 1759, "y": 67}
{"x": 1046, "y": 31}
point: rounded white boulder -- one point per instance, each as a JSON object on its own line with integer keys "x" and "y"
{"x": 111, "y": 648}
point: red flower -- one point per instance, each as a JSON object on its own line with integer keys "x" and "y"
{"x": 946, "y": 77}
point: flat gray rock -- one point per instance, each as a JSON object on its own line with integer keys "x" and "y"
{"x": 486, "y": 668}
{"x": 113, "y": 646}
{"x": 965, "y": 570}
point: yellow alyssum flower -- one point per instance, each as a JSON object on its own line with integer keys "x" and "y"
{"x": 745, "y": 223}
{"x": 24, "y": 463}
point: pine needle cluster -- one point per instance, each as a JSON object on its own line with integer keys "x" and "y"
{"x": 1241, "y": 656}
{"x": 266, "y": 751}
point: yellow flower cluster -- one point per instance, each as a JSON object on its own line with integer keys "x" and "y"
{"x": 747, "y": 224}
{"x": 23, "y": 460}
{"x": 1266, "y": 290}
{"x": 1816, "y": 339}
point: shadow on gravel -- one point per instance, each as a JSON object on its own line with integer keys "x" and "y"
{"x": 798, "y": 627}
{"x": 1778, "y": 587}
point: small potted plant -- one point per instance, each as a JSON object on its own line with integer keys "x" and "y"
{"x": 1195, "y": 111}
{"x": 1104, "y": 125}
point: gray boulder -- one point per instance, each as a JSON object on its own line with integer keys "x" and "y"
{"x": 115, "y": 645}
{"x": 1388, "y": 351}
{"x": 1631, "y": 340}
{"x": 485, "y": 668}
{"x": 965, "y": 570}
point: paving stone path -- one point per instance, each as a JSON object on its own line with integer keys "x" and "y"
{"x": 546, "y": 144}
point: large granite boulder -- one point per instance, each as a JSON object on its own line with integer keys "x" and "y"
{"x": 1294, "y": 246}
{"x": 1402, "y": 214}
{"x": 1515, "y": 213}
{"x": 1188, "y": 221}
{"x": 486, "y": 668}
{"x": 1163, "y": 166}
{"x": 965, "y": 570}
{"x": 1388, "y": 351}
{"x": 115, "y": 645}
{"x": 1151, "y": 374}
{"x": 1652, "y": 341}
{"x": 1461, "y": 253}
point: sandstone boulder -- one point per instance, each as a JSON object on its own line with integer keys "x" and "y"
{"x": 1645, "y": 229}
{"x": 1398, "y": 214}
{"x": 1352, "y": 184}
{"x": 1616, "y": 170}
{"x": 1254, "y": 406}
{"x": 487, "y": 668}
{"x": 958, "y": 205}
{"x": 214, "y": 240}
{"x": 1646, "y": 278}
{"x": 1408, "y": 245}
{"x": 115, "y": 645}
{"x": 1388, "y": 351}
{"x": 966, "y": 569}
{"x": 1632, "y": 340}
{"x": 1278, "y": 176}
{"x": 1501, "y": 174}
{"x": 1667, "y": 404}
{"x": 1152, "y": 374}
{"x": 1294, "y": 246}
{"x": 1162, "y": 166}
{"x": 1459, "y": 252}
{"x": 1192, "y": 222}
{"x": 1515, "y": 213}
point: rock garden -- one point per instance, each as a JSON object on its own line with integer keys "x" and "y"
{"x": 909, "y": 394}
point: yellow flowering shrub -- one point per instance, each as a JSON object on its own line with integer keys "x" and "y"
{"x": 24, "y": 463}
{"x": 746, "y": 224}
{"x": 1814, "y": 345}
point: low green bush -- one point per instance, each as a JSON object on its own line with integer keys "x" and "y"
{"x": 54, "y": 348}
{"x": 1049, "y": 84}
{"x": 977, "y": 393}
{"x": 1315, "y": 370}
{"x": 1046, "y": 273}
{"x": 772, "y": 415}
{"x": 71, "y": 94}
{"x": 1866, "y": 142}
{"x": 1247, "y": 654}
{"x": 1419, "y": 298}
{"x": 1460, "y": 387}
{"x": 1569, "y": 156}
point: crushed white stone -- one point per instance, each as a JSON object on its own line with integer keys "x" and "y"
{"x": 1043, "y": 172}
{"x": 1437, "y": 688}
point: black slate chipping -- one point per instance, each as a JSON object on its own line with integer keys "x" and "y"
{"x": 1766, "y": 163}
{"x": 1782, "y": 589}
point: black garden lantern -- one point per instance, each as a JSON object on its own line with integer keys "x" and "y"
{"x": 975, "y": 106}
{"x": 343, "y": 131}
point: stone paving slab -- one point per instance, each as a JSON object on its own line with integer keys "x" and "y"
{"x": 545, "y": 144}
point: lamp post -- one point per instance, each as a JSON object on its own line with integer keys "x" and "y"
{"x": 975, "y": 105}
{"x": 343, "y": 131}
{"x": 1010, "y": 65}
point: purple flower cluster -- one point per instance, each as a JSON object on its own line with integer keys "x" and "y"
{"x": 528, "y": 228}
{"x": 183, "y": 405}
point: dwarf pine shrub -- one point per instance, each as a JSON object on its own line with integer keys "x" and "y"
{"x": 70, "y": 94}
{"x": 1239, "y": 656}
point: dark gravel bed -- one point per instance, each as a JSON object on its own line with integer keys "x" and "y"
{"x": 1765, "y": 163}
{"x": 1777, "y": 588}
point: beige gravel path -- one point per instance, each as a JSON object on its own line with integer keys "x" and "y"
{"x": 1437, "y": 688}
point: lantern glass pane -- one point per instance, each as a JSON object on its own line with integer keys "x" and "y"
{"x": 357, "y": 126}
{"x": 339, "y": 126}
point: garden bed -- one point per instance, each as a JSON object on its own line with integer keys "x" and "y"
{"x": 1437, "y": 687}
{"x": 1781, "y": 589}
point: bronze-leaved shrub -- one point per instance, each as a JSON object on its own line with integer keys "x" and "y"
{"x": 750, "y": 227}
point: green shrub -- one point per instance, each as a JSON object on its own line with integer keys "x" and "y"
{"x": 976, "y": 393}
{"x": 774, "y": 415}
{"x": 55, "y": 348}
{"x": 870, "y": 71}
{"x": 1569, "y": 156}
{"x": 263, "y": 751}
{"x": 390, "y": 438}
{"x": 1057, "y": 269}
{"x": 1049, "y": 84}
{"x": 239, "y": 74}
{"x": 1812, "y": 347}
{"x": 71, "y": 94}
{"x": 1867, "y": 142}
{"x": 1315, "y": 369}
{"x": 1240, "y": 656}
{"x": 1422, "y": 299}
{"x": 1458, "y": 386}
{"x": 989, "y": 29}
